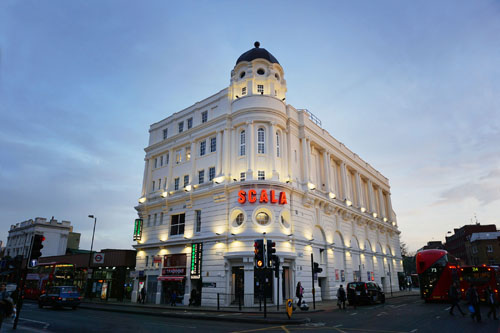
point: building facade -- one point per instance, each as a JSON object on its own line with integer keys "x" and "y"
{"x": 483, "y": 248}
{"x": 456, "y": 243}
{"x": 55, "y": 232}
{"x": 243, "y": 165}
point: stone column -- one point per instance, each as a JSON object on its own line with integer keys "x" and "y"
{"x": 290, "y": 159}
{"x": 335, "y": 183}
{"x": 218, "y": 154}
{"x": 381, "y": 203}
{"x": 234, "y": 144}
{"x": 250, "y": 149}
{"x": 359, "y": 196}
{"x": 326, "y": 171}
{"x": 145, "y": 178}
{"x": 308, "y": 156}
{"x": 344, "y": 185}
{"x": 371, "y": 197}
{"x": 248, "y": 283}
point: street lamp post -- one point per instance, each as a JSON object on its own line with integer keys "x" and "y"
{"x": 89, "y": 289}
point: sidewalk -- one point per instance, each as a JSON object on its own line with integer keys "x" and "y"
{"x": 251, "y": 315}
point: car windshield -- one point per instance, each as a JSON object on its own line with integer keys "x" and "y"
{"x": 69, "y": 290}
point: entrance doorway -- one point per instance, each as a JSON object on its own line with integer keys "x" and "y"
{"x": 286, "y": 283}
{"x": 322, "y": 285}
{"x": 238, "y": 286}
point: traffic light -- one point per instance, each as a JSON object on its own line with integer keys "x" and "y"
{"x": 316, "y": 268}
{"x": 36, "y": 247}
{"x": 259, "y": 253}
{"x": 271, "y": 250}
{"x": 276, "y": 264}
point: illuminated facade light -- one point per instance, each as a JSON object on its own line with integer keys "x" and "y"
{"x": 385, "y": 219}
{"x": 375, "y": 215}
{"x": 332, "y": 195}
{"x": 311, "y": 186}
{"x": 363, "y": 209}
{"x": 142, "y": 200}
{"x": 164, "y": 194}
{"x": 348, "y": 203}
{"x": 218, "y": 180}
{"x": 188, "y": 188}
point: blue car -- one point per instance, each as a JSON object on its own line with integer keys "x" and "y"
{"x": 60, "y": 297}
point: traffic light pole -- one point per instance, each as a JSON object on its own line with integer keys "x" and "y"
{"x": 277, "y": 286}
{"x": 312, "y": 274}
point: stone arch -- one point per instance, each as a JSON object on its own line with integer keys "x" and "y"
{"x": 319, "y": 235}
{"x": 354, "y": 243}
{"x": 379, "y": 248}
{"x": 368, "y": 245}
{"x": 389, "y": 250}
{"x": 338, "y": 239}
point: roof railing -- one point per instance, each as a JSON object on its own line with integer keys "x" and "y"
{"x": 313, "y": 118}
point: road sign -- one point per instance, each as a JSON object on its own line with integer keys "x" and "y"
{"x": 98, "y": 258}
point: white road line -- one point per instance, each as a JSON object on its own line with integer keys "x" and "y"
{"x": 447, "y": 308}
{"x": 412, "y": 331}
{"x": 353, "y": 314}
{"x": 338, "y": 325}
{"x": 45, "y": 324}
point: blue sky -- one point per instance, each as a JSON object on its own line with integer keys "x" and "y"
{"x": 411, "y": 87}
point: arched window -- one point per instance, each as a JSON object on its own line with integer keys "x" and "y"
{"x": 278, "y": 148}
{"x": 261, "y": 141}
{"x": 242, "y": 143}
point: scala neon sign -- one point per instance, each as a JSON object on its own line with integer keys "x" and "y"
{"x": 263, "y": 197}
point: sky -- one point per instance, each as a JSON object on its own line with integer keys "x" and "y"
{"x": 412, "y": 87}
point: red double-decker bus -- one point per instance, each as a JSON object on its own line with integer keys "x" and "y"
{"x": 481, "y": 276}
{"x": 48, "y": 275}
{"x": 437, "y": 270}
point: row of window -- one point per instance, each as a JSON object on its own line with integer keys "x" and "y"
{"x": 177, "y": 222}
{"x": 164, "y": 159}
{"x": 261, "y": 142}
{"x": 260, "y": 90}
{"x": 189, "y": 121}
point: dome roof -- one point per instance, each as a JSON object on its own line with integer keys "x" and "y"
{"x": 257, "y": 53}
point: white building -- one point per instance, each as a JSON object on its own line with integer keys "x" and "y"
{"x": 55, "y": 232}
{"x": 214, "y": 173}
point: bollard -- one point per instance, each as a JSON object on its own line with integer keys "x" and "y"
{"x": 218, "y": 302}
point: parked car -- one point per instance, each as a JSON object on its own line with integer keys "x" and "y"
{"x": 60, "y": 297}
{"x": 366, "y": 292}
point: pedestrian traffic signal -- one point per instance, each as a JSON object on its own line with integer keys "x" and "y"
{"x": 259, "y": 253}
{"x": 36, "y": 247}
{"x": 316, "y": 268}
{"x": 271, "y": 250}
{"x": 276, "y": 265}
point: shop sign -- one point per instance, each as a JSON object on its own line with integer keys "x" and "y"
{"x": 262, "y": 197}
{"x": 196, "y": 259}
{"x": 173, "y": 271}
{"x": 157, "y": 259}
{"x": 138, "y": 229}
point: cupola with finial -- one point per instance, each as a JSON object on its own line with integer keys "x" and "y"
{"x": 257, "y": 72}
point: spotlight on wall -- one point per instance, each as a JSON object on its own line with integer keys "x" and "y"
{"x": 142, "y": 200}
{"x": 283, "y": 99}
{"x": 375, "y": 215}
{"x": 164, "y": 194}
{"x": 385, "y": 219}
{"x": 363, "y": 209}
{"x": 262, "y": 93}
{"x": 332, "y": 195}
{"x": 264, "y": 233}
{"x": 188, "y": 188}
{"x": 290, "y": 235}
{"x": 217, "y": 233}
{"x": 237, "y": 96}
{"x": 348, "y": 203}
{"x": 311, "y": 186}
{"x": 233, "y": 234}
{"x": 219, "y": 179}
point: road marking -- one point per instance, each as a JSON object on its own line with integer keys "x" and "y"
{"x": 412, "y": 331}
{"x": 337, "y": 325}
{"x": 258, "y": 329}
{"x": 437, "y": 317}
{"x": 45, "y": 324}
{"x": 353, "y": 314}
{"x": 285, "y": 329}
{"x": 381, "y": 314}
{"x": 447, "y": 308}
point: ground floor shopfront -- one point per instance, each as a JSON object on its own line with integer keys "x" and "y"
{"x": 233, "y": 278}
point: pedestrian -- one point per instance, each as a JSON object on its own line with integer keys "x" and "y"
{"x": 192, "y": 300}
{"x": 173, "y": 298}
{"x": 473, "y": 300}
{"x": 143, "y": 295}
{"x": 454, "y": 296}
{"x": 299, "y": 292}
{"x": 341, "y": 297}
{"x": 490, "y": 300}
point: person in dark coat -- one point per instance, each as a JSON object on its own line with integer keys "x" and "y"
{"x": 143, "y": 295}
{"x": 490, "y": 300}
{"x": 341, "y": 297}
{"x": 299, "y": 292}
{"x": 473, "y": 299}
{"x": 454, "y": 296}
{"x": 192, "y": 300}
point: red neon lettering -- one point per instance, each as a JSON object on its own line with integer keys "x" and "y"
{"x": 283, "y": 198}
{"x": 263, "y": 196}
{"x": 241, "y": 197}
{"x": 252, "y": 196}
{"x": 273, "y": 197}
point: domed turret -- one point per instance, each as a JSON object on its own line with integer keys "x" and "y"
{"x": 257, "y": 72}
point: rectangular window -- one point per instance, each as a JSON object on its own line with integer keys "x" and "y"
{"x": 203, "y": 147}
{"x": 147, "y": 261}
{"x": 177, "y": 224}
{"x": 243, "y": 176}
{"x": 161, "y": 160}
{"x": 176, "y": 184}
{"x": 168, "y": 158}
{"x": 190, "y": 123}
{"x": 165, "y": 133}
{"x": 149, "y": 220}
{"x": 159, "y": 183}
{"x": 181, "y": 127}
{"x": 489, "y": 248}
{"x": 188, "y": 153}
{"x": 213, "y": 144}
{"x": 261, "y": 175}
{"x": 261, "y": 141}
{"x": 198, "y": 221}
{"x": 204, "y": 116}
{"x": 211, "y": 173}
{"x": 154, "y": 223}
{"x": 201, "y": 176}
{"x": 161, "y": 218}
{"x": 260, "y": 88}
{"x": 242, "y": 143}
{"x": 178, "y": 157}
{"x": 153, "y": 186}
{"x": 165, "y": 183}
{"x": 244, "y": 91}
{"x": 156, "y": 162}
{"x": 186, "y": 180}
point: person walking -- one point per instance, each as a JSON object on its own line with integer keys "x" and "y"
{"x": 299, "y": 292}
{"x": 143, "y": 295}
{"x": 490, "y": 300}
{"x": 454, "y": 296}
{"x": 341, "y": 297}
{"x": 173, "y": 298}
{"x": 473, "y": 299}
